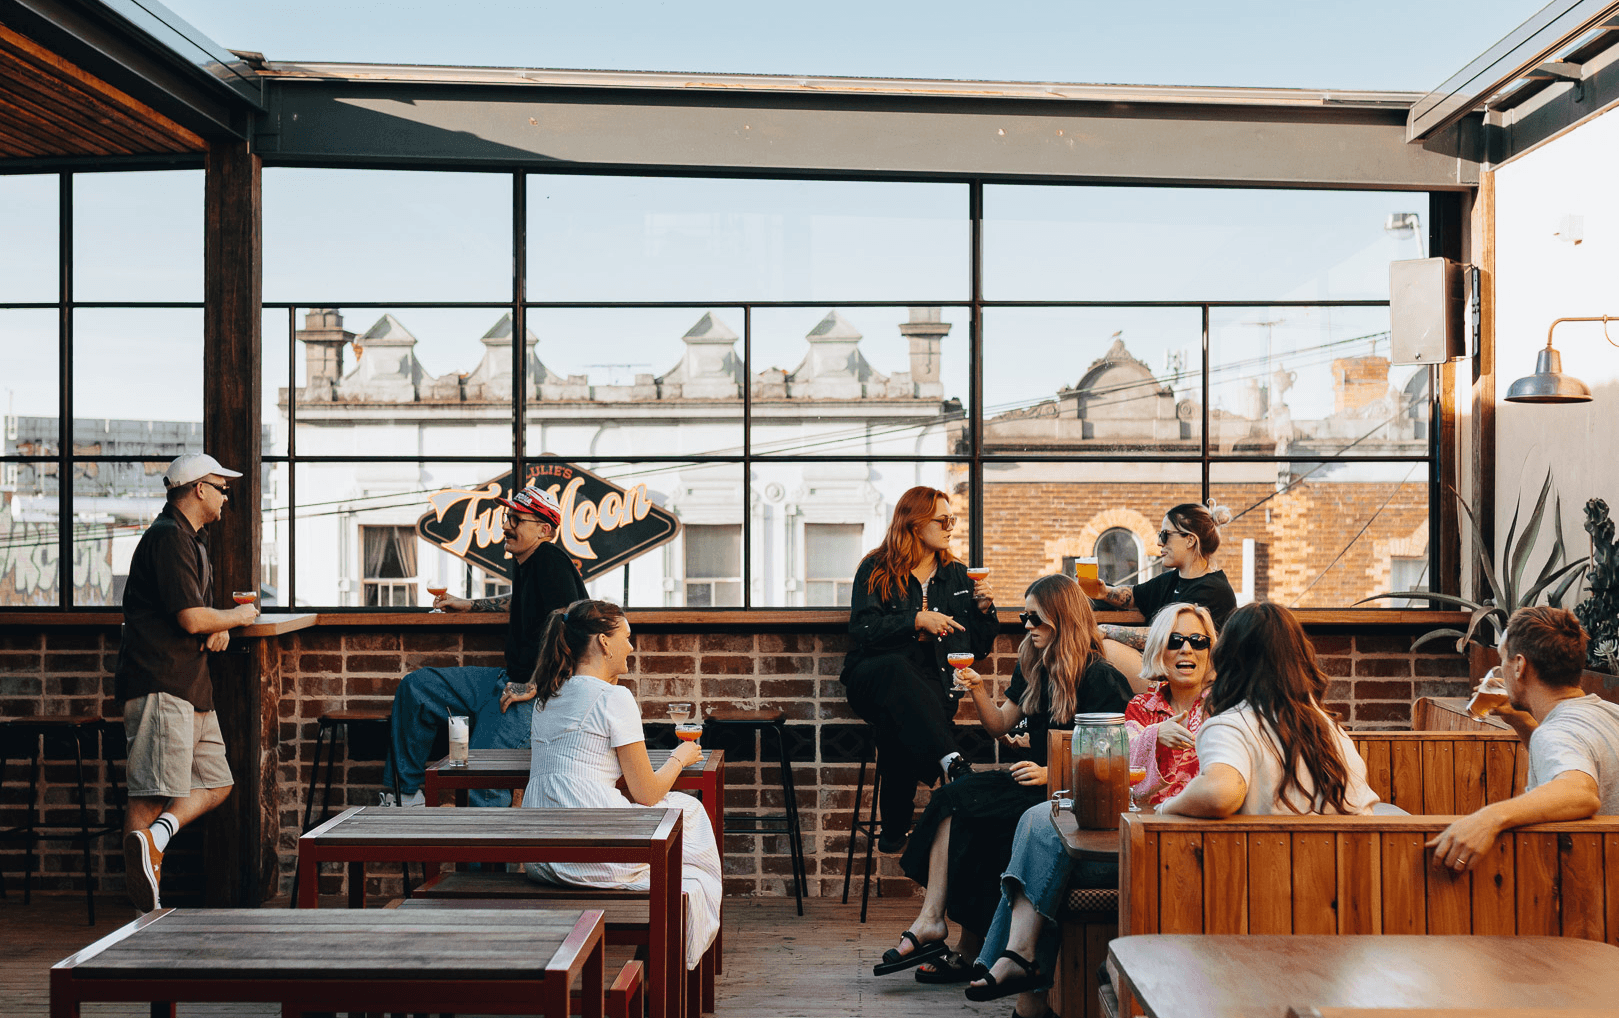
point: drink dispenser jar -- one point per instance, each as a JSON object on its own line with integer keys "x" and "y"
{"x": 1101, "y": 770}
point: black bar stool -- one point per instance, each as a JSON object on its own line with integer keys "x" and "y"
{"x": 348, "y": 722}
{"x": 55, "y": 737}
{"x": 774, "y": 721}
{"x": 866, "y": 828}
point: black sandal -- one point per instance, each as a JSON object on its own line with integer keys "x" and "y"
{"x": 1031, "y": 979}
{"x": 952, "y": 968}
{"x": 921, "y": 951}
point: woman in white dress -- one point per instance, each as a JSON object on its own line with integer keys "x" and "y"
{"x": 587, "y": 735}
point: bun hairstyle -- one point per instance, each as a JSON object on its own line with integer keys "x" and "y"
{"x": 568, "y": 631}
{"x": 1202, "y": 522}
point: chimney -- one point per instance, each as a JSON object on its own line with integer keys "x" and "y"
{"x": 324, "y": 338}
{"x": 1358, "y": 382}
{"x": 925, "y": 332}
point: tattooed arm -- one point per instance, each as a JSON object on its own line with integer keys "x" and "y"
{"x": 1130, "y": 636}
{"x": 492, "y": 604}
{"x": 1121, "y": 598}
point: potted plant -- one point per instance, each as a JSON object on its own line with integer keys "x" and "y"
{"x": 1508, "y": 588}
{"x": 1599, "y": 611}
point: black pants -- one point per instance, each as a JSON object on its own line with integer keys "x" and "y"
{"x": 911, "y": 712}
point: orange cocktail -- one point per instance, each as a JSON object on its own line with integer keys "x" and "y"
{"x": 243, "y": 596}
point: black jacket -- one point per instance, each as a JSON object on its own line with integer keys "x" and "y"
{"x": 545, "y": 581}
{"x": 878, "y": 627}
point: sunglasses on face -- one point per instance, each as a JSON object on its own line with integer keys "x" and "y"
{"x": 1164, "y": 535}
{"x": 1031, "y": 619}
{"x": 223, "y": 489}
{"x": 947, "y": 522}
{"x": 1197, "y": 641}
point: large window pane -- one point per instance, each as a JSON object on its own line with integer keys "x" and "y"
{"x": 378, "y": 235}
{"x": 861, "y": 381}
{"x": 1323, "y": 534}
{"x": 1039, "y": 517}
{"x": 114, "y": 503}
{"x": 648, "y": 239}
{"x": 139, "y": 365}
{"x": 1045, "y": 242}
{"x": 137, "y": 236}
{"x": 630, "y": 381}
{"x": 1126, "y": 381}
{"x": 812, "y": 523}
{"x": 275, "y": 338}
{"x": 28, "y": 351}
{"x": 356, "y": 526}
{"x": 1312, "y": 381}
{"x": 28, "y": 242}
{"x": 30, "y": 517}
{"x": 418, "y": 382}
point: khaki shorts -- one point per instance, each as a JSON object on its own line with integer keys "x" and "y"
{"x": 173, "y": 748}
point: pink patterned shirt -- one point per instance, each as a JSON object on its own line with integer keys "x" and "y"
{"x": 1168, "y": 770}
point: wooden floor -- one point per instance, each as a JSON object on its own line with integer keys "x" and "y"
{"x": 777, "y": 965}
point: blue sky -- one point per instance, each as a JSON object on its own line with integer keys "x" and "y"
{"x": 1378, "y": 44}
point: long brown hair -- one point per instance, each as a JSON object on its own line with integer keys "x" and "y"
{"x": 567, "y": 631}
{"x": 1264, "y": 658}
{"x": 901, "y": 549}
{"x": 1060, "y": 667}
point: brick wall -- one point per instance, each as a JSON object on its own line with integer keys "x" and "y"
{"x": 331, "y": 667}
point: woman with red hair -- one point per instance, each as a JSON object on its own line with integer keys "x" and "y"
{"x": 912, "y": 605}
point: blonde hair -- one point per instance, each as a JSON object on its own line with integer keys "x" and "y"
{"x": 1061, "y": 665}
{"x": 1152, "y": 652}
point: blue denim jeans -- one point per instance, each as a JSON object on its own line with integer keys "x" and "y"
{"x": 427, "y": 696}
{"x": 1041, "y": 871}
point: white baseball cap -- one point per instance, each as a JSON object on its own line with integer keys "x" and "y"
{"x": 194, "y": 466}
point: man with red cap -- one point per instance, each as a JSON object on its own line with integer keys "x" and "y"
{"x": 545, "y": 579}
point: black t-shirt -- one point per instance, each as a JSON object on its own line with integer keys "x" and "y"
{"x": 1211, "y": 590}
{"x": 546, "y": 581}
{"x": 1103, "y": 689}
{"x": 168, "y": 573}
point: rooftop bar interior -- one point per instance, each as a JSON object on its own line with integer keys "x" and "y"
{"x": 754, "y": 311}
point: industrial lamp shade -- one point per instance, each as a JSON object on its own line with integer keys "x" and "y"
{"x": 1548, "y": 384}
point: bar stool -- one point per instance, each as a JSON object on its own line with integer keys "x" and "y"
{"x": 774, "y": 721}
{"x": 866, "y": 828}
{"x": 64, "y": 736}
{"x": 330, "y": 725}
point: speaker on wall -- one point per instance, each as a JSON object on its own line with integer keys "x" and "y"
{"x": 1426, "y": 298}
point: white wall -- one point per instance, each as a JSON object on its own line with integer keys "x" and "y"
{"x": 1540, "y": 278}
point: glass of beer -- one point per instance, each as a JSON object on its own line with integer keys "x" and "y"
{"x": 1087, "y": 572}
{"x": 1490, "y": 694}
{"x": 243, "y": 596}
{"x": 958, "y": 660}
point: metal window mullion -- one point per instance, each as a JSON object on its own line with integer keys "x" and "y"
{"x": 747, "y": 456}
{"x": 64, "y": 424}
{"x": 519, "y": 327}
{"x": 290, "y": 595}
{"x": 1206, "y": 415}
{"x": 975, "y": 369}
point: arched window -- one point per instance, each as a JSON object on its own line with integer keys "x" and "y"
{"x": 1118, "y": 556}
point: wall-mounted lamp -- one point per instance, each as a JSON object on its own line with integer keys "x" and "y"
{"x": 1548, "y": 384}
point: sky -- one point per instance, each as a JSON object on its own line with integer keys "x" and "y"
{"x": 1367, "y": 44}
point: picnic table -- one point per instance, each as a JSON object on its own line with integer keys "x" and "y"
{"x": 508, "y": 768}
{"x": 1198, "y": 976}
{"x": 367, "y": 834}
{"x": 460, "y": 961}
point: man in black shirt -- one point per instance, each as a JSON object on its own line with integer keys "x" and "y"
{"x": 545, "y": 580}
{"x": 176, "y": 758}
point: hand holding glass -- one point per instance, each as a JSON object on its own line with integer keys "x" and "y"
{"x": 243, "y": 596}
{"x": 959, "y": 660}
{"x": 437, "y": 592}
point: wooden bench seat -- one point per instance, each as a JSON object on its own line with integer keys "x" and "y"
{"x": 625, "y": 912}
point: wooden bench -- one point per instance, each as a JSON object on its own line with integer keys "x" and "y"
{"x": 625, "y": 912}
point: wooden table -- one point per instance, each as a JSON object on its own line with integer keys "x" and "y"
{"x": 442, "y": 961}
{"x": 493, "y": 834}
{"x": 1262, "y": 976}
{"x": 508, "y": 768}
{"x": 1100, "y": 846}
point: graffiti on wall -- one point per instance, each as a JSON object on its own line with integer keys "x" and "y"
{"x": 30, "y": 557}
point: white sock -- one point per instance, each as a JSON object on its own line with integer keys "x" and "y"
{"x": 166, "y": 826}
{"x": 946, "y": 760}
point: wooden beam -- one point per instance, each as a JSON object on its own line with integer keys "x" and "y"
{"x": 231, "y": 370}
{"x": 1482, "y": 419}
{"x": 80, "y": 109}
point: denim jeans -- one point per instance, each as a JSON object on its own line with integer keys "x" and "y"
{"x": 1041, "y": 871}
{"x": 427, "y": 696}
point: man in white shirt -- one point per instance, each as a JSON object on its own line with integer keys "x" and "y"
{"x": 1573, "y": 738}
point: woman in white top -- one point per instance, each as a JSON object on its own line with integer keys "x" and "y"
{"x": 587, "y": 735}
{"x": 1269, "y": 746}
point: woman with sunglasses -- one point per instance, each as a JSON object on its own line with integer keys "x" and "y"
{"x": 964, "y": 838}
{"x": 1269, "y": 746}
{"x": 1188, "y": 537}
{"x": 1163, "y": 721}
{"x": 912, "y": 604}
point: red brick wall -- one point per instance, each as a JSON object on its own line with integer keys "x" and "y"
{"x": 327, "y": 668}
